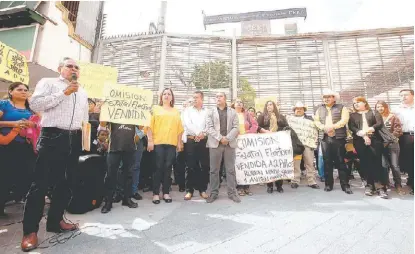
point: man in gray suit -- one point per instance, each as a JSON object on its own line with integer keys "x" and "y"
{"x": 222, "y": 126}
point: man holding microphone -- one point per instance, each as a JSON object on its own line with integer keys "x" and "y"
{"x": 64, "y": 107}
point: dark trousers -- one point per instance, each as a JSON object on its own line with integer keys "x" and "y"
{"x": 147, "y": 168}
{"x": 113, "y": 162}
{"x": 334, "y": 152}
{"x": 371, "y": 160}
{"x": 164, "y": 156}
{"x": 18, "y": 161}
{"x": 179, "y": 169}
{"x": 198, "y": 165}
{"x": 277, "y": 184}
{"x": 406, "y": 143}
{"x": 58, "y": 156}
{"x": 390, "y": 160}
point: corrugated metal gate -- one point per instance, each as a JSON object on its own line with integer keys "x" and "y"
{"x": 374, "y": 63}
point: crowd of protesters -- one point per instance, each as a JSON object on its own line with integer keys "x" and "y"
{"x": 40, "y": 144}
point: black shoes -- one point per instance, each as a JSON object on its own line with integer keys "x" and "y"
{"x": 347, "y": 190}
{"x": 280, "y": 189}
{"x": 126, "y": 202}
{"x": 294, "y": 185}
{"x": 107, "y": 207}
{"x": 270, "y": 190}
{"x": 314, "y": 186}
{"x": 129, "y": 203}
{"x": 328, "y": 188}
{"x": 137, "y": 196}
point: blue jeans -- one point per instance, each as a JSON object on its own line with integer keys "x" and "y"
{"x": 136, "y": 167}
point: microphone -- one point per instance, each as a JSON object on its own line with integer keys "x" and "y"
{"x": 74, "y": 78}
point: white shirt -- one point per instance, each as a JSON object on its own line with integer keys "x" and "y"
{"x": 407, "y": 116}
{"x": 194, "y": 121}
{"x": 57, "y": 109}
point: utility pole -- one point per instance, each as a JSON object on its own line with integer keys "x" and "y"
{"x": 161, "y": 25}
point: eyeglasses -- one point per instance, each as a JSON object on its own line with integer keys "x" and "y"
{"x": 71, "y": 66}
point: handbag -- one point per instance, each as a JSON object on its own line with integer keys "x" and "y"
{"x": 32, "y": 134}
{"x": 386, "y": 135}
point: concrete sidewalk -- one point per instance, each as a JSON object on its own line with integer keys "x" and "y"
{"x": 298, "y": 221}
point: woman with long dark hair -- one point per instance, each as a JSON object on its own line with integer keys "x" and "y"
{"x": 17, "y": 156}
{"x": 365, "y": 125}
{"x": 165, "y": 138}
{"x": 271, "y": 121}
{"x": 390, "y": 158}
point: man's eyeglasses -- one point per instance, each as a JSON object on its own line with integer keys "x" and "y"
{"x": 71, "y": 66}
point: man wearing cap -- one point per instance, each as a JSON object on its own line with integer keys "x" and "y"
{"x": 300, "y": 124}
{"x": 331, "y": 119}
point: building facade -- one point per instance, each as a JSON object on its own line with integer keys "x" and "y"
{"x": 47, "y": 31}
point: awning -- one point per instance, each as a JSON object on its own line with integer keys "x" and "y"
{"x": 19, "y": 16}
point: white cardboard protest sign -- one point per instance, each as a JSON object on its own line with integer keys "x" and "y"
{"x": 264, "y": 158}
{"x": 306, "y": 130}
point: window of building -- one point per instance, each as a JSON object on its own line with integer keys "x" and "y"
{"x": 72, "y": 7}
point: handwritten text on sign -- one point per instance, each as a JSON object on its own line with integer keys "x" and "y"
{"x": 305, "y": 129}
{"x": 263, "y": 158}
{"x": 93, "y": 78}
{"x": 126, "y": 105}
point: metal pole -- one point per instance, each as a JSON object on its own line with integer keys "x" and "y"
{"x": 162, "y": 18}
{"x": 327, "y": 63}
{"x": 234, "y": 67}
{"x": 163, "y": 63}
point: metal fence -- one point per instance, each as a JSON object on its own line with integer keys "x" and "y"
{"x": 373, "y": 63}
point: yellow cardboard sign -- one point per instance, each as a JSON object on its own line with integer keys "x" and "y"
{"x": 126, "y": 105}
{"x": 93, "y": 78}
{"x": 13, "y": 65}
{"x": 260, "y": 103}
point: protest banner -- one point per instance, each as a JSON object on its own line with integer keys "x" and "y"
{"x": 126, "y": 105}
{"x": 93, "y": 78}
{"x": 13, "y": 65}
{"x": 264, "y": 158}
{"x": 306, "y": 130}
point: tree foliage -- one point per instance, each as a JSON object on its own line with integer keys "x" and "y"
{"x": 246, "y": 93}
{"x": 217, "y": 74}
{"x": 211, "y": 75}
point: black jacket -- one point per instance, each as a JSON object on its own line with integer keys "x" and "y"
{"x": 374, "y": 119}
{"x": 298, "y": 147}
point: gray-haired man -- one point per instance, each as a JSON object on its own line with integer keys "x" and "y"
{"x": 64, "y": 106}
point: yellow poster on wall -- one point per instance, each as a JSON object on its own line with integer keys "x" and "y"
{"x": 93, "y": 78}
{"x": 126, "y": 105}
{"x": 260, "y": 102}
{"x": 13, "y": 65}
